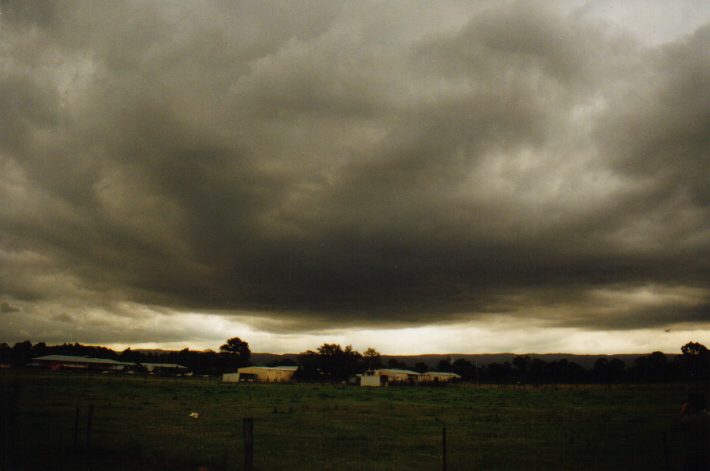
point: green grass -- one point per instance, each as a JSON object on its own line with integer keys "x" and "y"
{"x": 143, "y": 423}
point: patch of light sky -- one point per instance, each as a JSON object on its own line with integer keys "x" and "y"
{"x": 210, "y": 331}
{"x": 653, "y": 22}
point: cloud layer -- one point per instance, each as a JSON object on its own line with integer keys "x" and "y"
{"x": 352, "y": 164}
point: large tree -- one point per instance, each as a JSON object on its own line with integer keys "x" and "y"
{"x": 695, "y": 361}
{"x": 694, "y": 349}
{"x": 651, "y": 368}
{"x": 330, "y": 362}
{"x": 372, "y": 359}
{"x": 237, "y": 347}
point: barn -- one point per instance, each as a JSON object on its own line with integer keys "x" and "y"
{"x": 386, "y": 376}
{"x": 261, "y": 374}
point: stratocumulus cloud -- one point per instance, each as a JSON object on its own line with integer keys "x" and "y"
{"x": 351, "y": 164}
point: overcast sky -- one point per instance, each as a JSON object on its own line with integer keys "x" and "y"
{"x": 448, "y": 176}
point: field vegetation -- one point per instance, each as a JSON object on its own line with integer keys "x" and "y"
{"x": 144, "y": 423}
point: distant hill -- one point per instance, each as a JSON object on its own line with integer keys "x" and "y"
{"x": 153, "y": 351}
{"x": 432, "y": 360}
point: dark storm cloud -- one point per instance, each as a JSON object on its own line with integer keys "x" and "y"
{"x": 64, "y": 317}
{"x": 658, "y": 317}
{"x": 351, "y": 164}
{"x": 7, "y": 307}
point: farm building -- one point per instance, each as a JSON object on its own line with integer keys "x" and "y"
{"x": 264, "y": 374}
{"x": 58, "y": 362}
{"x": 388, "y": 375}
{"x": 164, "y": 368}
{"x": 438, "y": 377}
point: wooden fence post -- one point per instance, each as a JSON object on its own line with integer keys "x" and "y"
{"x": 666, "y": 461}
{"x": 4, "y": 430}
{"x": 248, "y": 426}
{"x": 8, "y": 404}
{"x": 89, "y": 425}
{"x": 8, "y": 421}
{"x": 76, "y": 429}
{"x": 443, "y": 448}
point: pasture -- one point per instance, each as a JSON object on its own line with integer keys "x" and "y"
{"x": 143, "y": 423}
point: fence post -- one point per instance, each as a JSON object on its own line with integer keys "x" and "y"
{"x": 443, "y": 448}
{"x": 89, "y": 424}
{"x": 248, "y": 426}
{"x": 666, "y": 461}
{"x": 8, "y": 423}
{"x": 4, "y": 429}
{"x": 76, "y": 429}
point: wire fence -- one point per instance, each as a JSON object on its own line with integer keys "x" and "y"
{"x": 147, "y": 425}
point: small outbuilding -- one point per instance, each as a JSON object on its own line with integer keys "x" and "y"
{"x": 261, "y": 374}
{"x": 386, "y": 376}
{"x": 439, "y": 377}
{"x": 164, "y": 368}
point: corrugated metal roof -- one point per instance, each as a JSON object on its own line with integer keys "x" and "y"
{"x": 396, "y": 371}
{"x": 163, "y": 365}
{"x": 441, "y": 373}
{"x": 277, "y": 368}
{"x": 75, "y": 359}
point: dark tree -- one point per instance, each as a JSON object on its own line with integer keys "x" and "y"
{"x": 338, "y": 363}
{"x": 695, "y": 361}
{"x": 397, "y": 365}
{"x": 522, "y": 364}
{"x": 22, "y": 353}
{"x": 499, "y": 373}
{"x": 421, "y": 367}
{"x": 372, "y": 359}
{"x": 566, "y": 372}
{"x": 331, "y": 363}
{"x": 463, "y": 368}
{"x": 651, "y": 368}
{"x": 692, "y": 349}
{"x": 444, "y": 365}
{"x": 236, "y": 346}
{"x": 538, "y": 371}
{"x": 308, "y": 362}
{"x": 607, "y": 371}
{"x": 130, "y": 355}
{"x": 617, "y": 369}
{"x": 5, "y": 353}
{"x": 283, "y": 362}
{"x": 39, "y": 349}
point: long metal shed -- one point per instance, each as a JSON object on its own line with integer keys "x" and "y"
{"x": 56, "y": 362}
{"x": 261, "y": 374}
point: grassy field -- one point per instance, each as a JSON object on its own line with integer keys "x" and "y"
{"x": 144, "y": 424}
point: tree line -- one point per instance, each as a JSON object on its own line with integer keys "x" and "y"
{"x": 232, "y": 355}
{"x": 334, "y": 363}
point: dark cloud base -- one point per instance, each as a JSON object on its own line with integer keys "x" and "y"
{"x": 6, "y": 307}
{"x": 328, "y": 168}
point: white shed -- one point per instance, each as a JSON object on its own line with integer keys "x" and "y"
{"x": 230, "y": 377}
{"x": 388, "y": 375}
{"x": 261, "y": 374}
